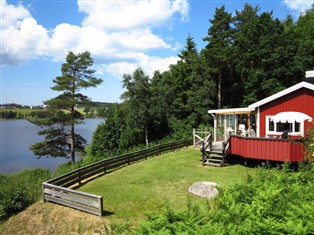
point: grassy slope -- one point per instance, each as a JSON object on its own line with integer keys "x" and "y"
{"x": 128, "y": 194}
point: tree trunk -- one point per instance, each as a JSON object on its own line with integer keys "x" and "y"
{"x": 72, "y": 144}
{"x": 146, "y": 137}
{"x": 72, "y": 137}
{"x": 219, "y": 90}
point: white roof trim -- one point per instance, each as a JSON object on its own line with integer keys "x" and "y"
{"x": 282, "y": 93}
{"x": 309, "y": 74}
{"x": 231, "y": 111}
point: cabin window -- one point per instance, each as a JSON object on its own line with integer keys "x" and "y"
{"x": 277, "y": 128}
{"x": 297, "y": 127}
{"x": 271, "y": 125}
{"x": 281, "y": 127}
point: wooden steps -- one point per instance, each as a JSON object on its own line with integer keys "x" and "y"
{"x": 213, "y": 156}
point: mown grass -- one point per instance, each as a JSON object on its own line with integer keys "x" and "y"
{"x": 158, "y": 183}
{"x": 128, "y": 194}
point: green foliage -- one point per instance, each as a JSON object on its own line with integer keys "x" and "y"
{"x": 218, "y": 50}
{"x": 19, "y": 190}
{"x": 138, "y": 98}
{"x": 188, "y": 221}
{"x": 270, "y": 202}
{"x": 116, "y": 229}
{"x": 107, "y": 137}
{"x": 304, "y": 35}
{"x": 18, "y": 113}
{"x": 61, "y": 140}
{"x": 308, "y": 143}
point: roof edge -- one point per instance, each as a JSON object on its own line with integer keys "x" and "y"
{"x": 282, "y": 93}
{"x": 231, "y": 110}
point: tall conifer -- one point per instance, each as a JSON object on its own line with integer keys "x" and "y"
{"x": 61, "y": 140}
{"x": 218, "y": 49}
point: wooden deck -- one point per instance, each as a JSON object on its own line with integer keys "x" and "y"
{"x": 268, "y": 149}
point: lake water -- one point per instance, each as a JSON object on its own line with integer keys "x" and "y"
{"x": 17, "y": 135}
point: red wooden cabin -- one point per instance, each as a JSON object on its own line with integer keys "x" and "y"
{"x": 255, "y": 131}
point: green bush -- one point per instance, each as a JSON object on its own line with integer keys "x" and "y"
{"x": 19, "y": 190}
{"x": 308, "y": 143}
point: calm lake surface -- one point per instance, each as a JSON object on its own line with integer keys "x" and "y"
{"x": 17, "y": 135}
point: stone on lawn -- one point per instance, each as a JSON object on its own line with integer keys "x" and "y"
{"x": 204, "y": 189}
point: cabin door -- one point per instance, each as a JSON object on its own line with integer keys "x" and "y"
{"x": 220, "y": 127}
{"x": 231, "y": 125}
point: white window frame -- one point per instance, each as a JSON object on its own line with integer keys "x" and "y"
{"x": 275, "y": 132}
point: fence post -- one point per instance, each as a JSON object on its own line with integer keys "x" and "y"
{"x": 43, "y": 187}
{"x": 105, "y": 168}
{"x": 100, "y": 207}
{"x": 79, "y": 176}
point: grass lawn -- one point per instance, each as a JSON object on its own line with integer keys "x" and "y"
{"x": 128, "y": 193}
{"x": 157, "y": 183}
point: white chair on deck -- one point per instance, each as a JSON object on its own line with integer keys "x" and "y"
{"x": 242, "y": 129}
{"x": 251, "y": 133}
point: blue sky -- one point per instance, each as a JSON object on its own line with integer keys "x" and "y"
{"x": 121, "y": 35}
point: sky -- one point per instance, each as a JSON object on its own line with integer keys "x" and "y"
{"x": 121, "y": 35}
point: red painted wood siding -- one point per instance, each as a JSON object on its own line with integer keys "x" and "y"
{"x": 267, "y": 149}
{"x": 301, "y": 100}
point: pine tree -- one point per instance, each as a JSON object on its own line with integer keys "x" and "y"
{"x": 61, "y": 140}
{"x": 218, "y": 49}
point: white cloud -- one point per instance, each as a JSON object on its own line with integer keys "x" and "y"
{"x": 118, "y": 32}
{"x": 149, "y": 64}
{"x": 299, "y": 5}
{"x": 130, "y": 14}
{"x": 23, "y": 41}
{"x": 12, "y": 15}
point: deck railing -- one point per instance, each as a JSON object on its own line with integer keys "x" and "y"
{"x": 226, "y": 149}
{"x": 58, "y": 189}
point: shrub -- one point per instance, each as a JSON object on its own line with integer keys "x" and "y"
{"x": 19, "y": 190}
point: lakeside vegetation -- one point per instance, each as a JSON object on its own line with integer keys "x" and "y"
{"x": 21, "y": 189}
{"x": 16, "y": 111}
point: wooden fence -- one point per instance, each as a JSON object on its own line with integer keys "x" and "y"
{"x": 58, "y": 189}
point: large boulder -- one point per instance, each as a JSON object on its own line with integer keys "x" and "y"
{"x": 205, "y": 189}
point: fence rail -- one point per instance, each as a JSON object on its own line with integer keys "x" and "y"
{"x": 57, "y": 189}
